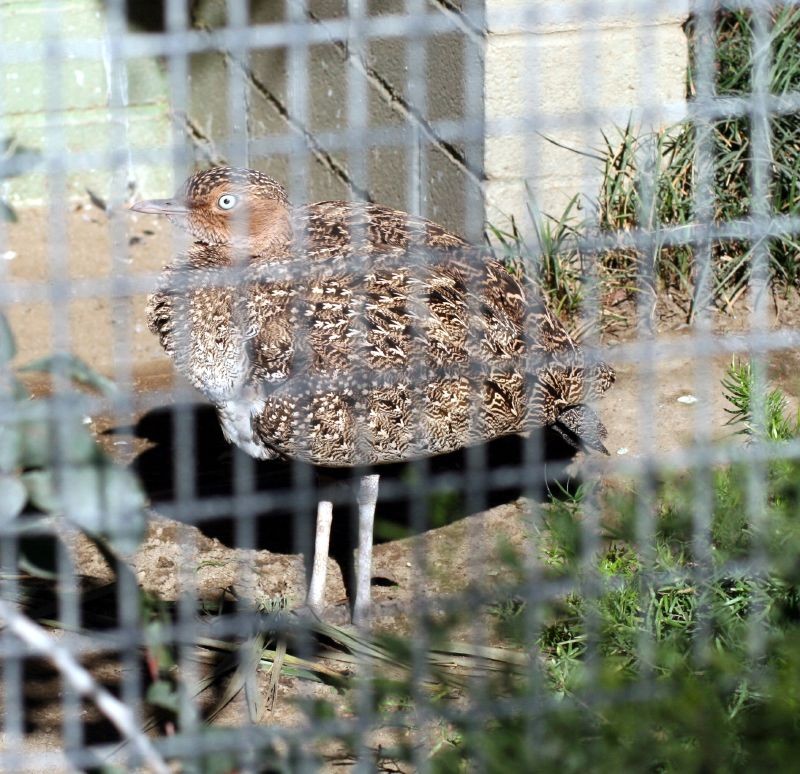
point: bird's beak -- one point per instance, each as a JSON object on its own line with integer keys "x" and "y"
{"x": 161, "y": 207}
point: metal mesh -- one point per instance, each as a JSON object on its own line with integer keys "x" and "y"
{"x": 170, "y": 565}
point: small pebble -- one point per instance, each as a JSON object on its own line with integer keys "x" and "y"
{"x": 622, "y": 450}
{"x": 9, "y": 255}
{"x": 687, "y": 399}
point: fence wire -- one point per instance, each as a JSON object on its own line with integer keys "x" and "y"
{"x": 531, "y": 605}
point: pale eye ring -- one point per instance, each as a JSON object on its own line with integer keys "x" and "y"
{"x": 227, "y": 202}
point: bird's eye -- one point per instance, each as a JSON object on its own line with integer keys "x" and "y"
{"x": 227, "y": 201}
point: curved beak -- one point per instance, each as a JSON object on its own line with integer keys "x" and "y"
{"x": 161, "y": 207}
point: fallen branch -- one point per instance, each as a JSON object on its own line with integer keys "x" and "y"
{"x": 35, "y": 637}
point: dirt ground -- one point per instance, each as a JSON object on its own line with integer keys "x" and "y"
{"x": 656, "y": 407}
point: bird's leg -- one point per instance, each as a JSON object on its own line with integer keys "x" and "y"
{"x": 315, "y": 600}
{"x": 367, "y": 499}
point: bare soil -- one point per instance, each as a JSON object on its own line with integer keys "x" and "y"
{"x": 656, "y": 407}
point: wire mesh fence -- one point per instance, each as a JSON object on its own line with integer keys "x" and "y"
{"x": 534, "y": 338}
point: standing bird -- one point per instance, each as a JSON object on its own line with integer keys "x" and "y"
{"x": 348, "y": 334}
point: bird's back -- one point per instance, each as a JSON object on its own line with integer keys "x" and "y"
{"x": 373, "y": 337}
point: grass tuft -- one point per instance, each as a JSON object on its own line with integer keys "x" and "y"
{"x": 555, "y": 257}
{"x": 667, "y": 656}
{"x": 649, "y": 182}
{"x": 739, "y": 385}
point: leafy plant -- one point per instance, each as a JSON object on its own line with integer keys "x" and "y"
{"x": 15, "y": 160}
{"x": 555, "y": 259}
{"x": 51, "y": 466}
{"x": 649, "y": 661}
{"x": 649, "y": 182}
{"x": 740, "y": 385}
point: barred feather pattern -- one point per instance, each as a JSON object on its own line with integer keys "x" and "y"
{"x": 368, "y": 336}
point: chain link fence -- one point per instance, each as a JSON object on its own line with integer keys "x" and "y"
{"x": 533, "y": 604}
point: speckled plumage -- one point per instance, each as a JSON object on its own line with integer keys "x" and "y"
{"x": 346, "y": 334}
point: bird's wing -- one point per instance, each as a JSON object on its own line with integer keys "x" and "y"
{"x": 400, "y": 310}
{"x": 353, "y": 230}
{"x": 350, "y": 237}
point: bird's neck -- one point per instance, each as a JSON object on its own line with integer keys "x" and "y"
{"x": 265, "y": 240}
{"x": 269, "y": 235}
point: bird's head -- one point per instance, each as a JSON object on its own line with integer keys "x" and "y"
{"x": 225, "y": 206}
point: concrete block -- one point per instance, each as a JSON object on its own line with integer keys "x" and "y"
{"x": 64, "y": 108}
{"x": 542, "y": 17}
{"x": 328, "y": 76}
{"x": 559, "y": 75}
{"x": 569, "y": 84}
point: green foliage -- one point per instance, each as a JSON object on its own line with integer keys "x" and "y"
{"x": 646, "y": 183}
{"x": 740, "y": 386}
{"x": 650, "y": 179}
{"x": 555, "y": 258}
{"x": 51, "y": 466}
{"x": 75, "y": 369}
{"x": 668, "y": 649}
{"x": 649, "y": 182}
{"x": 8, "y": 345}
{"x": 652, "y": 662}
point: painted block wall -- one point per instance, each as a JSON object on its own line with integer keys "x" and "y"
{"x": 64, "y": 106}
{"x": 573, "y": 70}
{"x": 571, "y": 78}
{"x": 576, "y": 71}
{"x": 449, "y": 189}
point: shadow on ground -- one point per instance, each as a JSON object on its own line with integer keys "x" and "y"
{"x": 214, "y": 469}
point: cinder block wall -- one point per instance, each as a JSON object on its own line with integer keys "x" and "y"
{"x": 447, "y": 182}
{"x": 575, "y": 71}
{"x": 572, "y": 70}
{"x": 66, "y": 106}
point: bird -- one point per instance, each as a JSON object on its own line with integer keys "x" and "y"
{"x": 349, "y": 334}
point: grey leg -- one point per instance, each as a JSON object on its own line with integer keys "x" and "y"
{"x": 367, "y": 499}
{"x": 319, "y": 570}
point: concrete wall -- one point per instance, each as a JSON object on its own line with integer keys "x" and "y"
{"x": 272, "y": 110}
{"x": 67, "y": 108}
{"x": 575, "y": 71}
{"x": 571, "y": 69}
